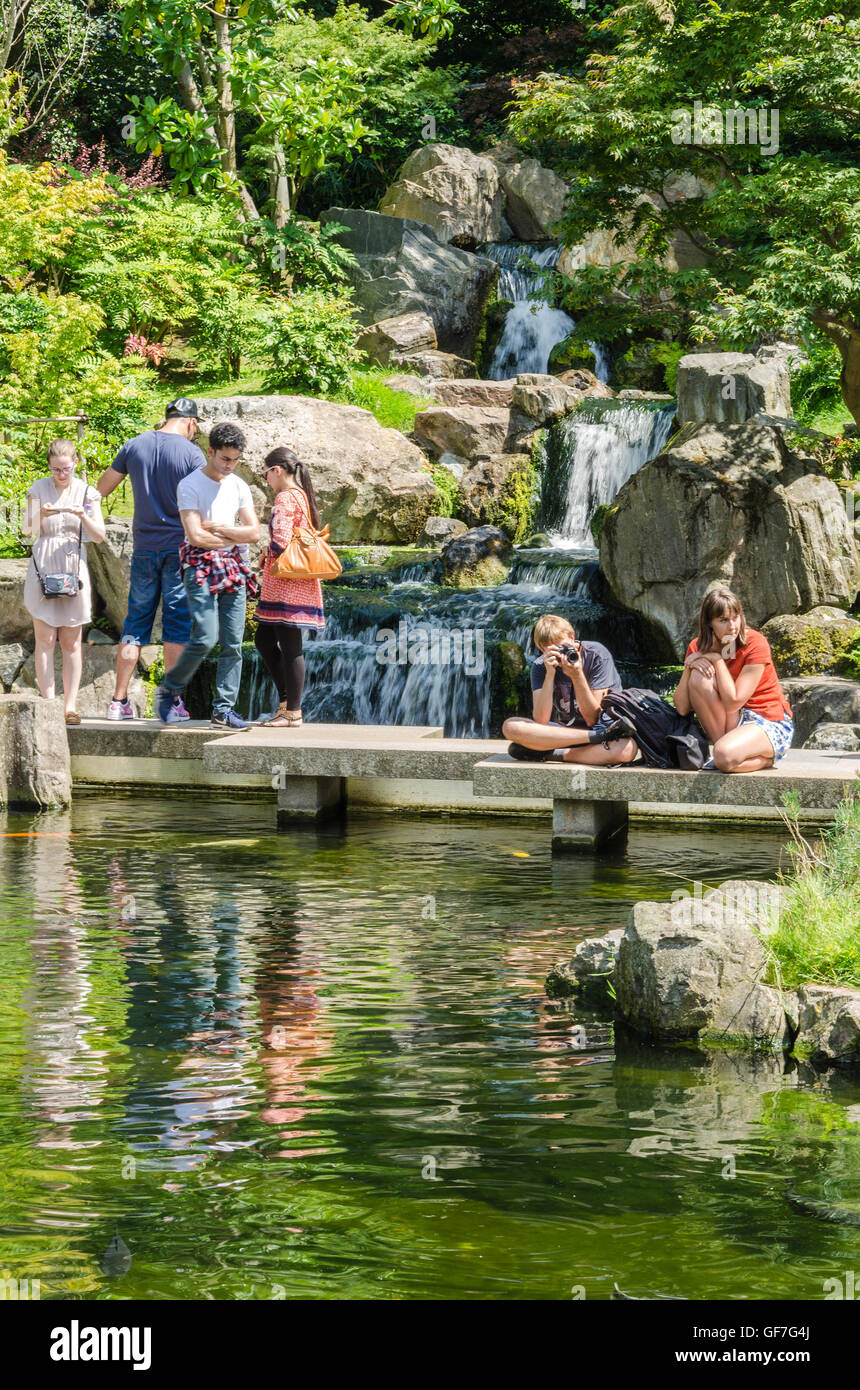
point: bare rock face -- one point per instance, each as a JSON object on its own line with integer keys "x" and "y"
{"x": 35, "y": 770}
{"x": 821, "y": 703}
{"x": 372, "y": 483}
{"x": 440, "y": 529}
{"x": 693, "y": 969}
{"x": 730, "y": 387}
{"x": 12, "y": 658}
{"x": 468, "y": 431}
{"x": 829, "y": 1023}
{"x": 110, "y": 570}
{"x": 452, "y": 190}
{"x": 727, "y": 504}
{"x": 544, "y": 399}
{"x": 837, "y": 738}
{"x": 470, "y": 392}
{"x": 402, "y": 267}
{"x": 16, "y": 625}
{"x": 435, "y": 365}
{"x": 534, "y": 199}
{"x": 585, "y": 383}
{"x": 406, "y": 333}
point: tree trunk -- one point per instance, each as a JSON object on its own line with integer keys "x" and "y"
{"x": 845, "y": 333}
{"x": 279, "y": 187}
{"x": 223, "y": 90}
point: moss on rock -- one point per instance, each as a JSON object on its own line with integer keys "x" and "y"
{"x": 819, "y": 642}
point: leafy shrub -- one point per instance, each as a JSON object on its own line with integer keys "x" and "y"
{"x": 815, "y": 384}
{"x": 309, "y": 345}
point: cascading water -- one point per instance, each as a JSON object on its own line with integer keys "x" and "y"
{"x": 532, "y": 327}
{"x": 590, "y": 454}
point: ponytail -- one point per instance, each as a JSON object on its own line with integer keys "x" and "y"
{"x": 291, "y": 463}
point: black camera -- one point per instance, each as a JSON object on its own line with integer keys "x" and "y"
{"x": 569, "y": 652}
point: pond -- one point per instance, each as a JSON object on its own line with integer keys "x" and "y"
{"x": 322, "y": 1064}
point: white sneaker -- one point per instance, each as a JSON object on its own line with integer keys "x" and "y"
{"x": 120, "y": 709}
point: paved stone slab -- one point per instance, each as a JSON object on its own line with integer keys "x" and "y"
{"x": 820, "y": 779}
{"x": 350, "y": 751}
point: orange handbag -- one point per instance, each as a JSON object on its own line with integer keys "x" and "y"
{"x": 307, "y": 555}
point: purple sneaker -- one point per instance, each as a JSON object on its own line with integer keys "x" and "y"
{"x": 120, "y": 709}
{"x": 179, "y": 709}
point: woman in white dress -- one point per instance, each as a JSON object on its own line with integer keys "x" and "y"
{"x": 63, "y": 513}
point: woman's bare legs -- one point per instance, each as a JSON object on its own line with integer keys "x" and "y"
{"x": 540, "y": 737}
{"x": 70, "y": 645}
{"x": 46, "y": 641}
{"x": 746, "y": 749}
{"x": 620, "y": 750}
{"x": 708, "y": 707}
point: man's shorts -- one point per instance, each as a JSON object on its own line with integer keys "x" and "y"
{"x": 779, "y": 731}
{"x": 156, "y": 577}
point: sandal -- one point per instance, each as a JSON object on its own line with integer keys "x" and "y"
{"x": 284, "y": 718}
{"x": 72, "y": 718}
{"x": 279, "y": 714}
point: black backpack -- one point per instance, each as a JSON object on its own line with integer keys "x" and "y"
{"x": 665, "y": 737}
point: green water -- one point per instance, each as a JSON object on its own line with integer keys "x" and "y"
{"x": 322, "y": 1065}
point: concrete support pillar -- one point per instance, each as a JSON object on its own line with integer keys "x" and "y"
{"x": 586, "y": 826}
{"x": 303, "y": 800}
{"x": 35, "y": 770}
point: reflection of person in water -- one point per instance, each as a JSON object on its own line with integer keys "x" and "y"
{"x": 290, "y": 1014}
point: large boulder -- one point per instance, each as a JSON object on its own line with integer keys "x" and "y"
{"x": 452, "y": 190}
{"x": 433, "y": 364}
{"x": 829, "y": 1023}
{"x": 727, "y": 504}
{"x": 490, "y": 489}
{"x": 692, "y": 969}
{"x": 371, "y": 483}
{"x": 468, "y": 431}
{"x": 407, "y": 333}
{"x": 835, "y": 738}
{"x": 110, "y": 570}
{"x": 12, "y": 658}
{"x": 35, "y": 770}
{"x": 16, "y": 625}
{"x": 465, "y": 391}
{"x": 731, "y": 387}
{"x": 402, "y": 268}
{"x": 544, "y": 399}
{"x": 806, "y": 644}
{"x": 585, "y": 383}
{"x": 479, "y": 558}
{"x": 98, "y": 679}
{"x": 534, "y": 199}
{"x": 816, "y": 703}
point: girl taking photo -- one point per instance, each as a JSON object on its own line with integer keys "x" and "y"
{"x": 63, "y": 513}
{"x": 287, "y": 606}
{"x": 730, "y": 684}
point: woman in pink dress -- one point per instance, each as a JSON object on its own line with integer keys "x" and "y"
{"x": 287, "y": 606}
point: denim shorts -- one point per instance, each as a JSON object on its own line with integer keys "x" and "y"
{"x": 155, "y": 578}
{"x": 779, "y": 731}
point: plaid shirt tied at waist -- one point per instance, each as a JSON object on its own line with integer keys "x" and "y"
{"x": 223, "y": 570}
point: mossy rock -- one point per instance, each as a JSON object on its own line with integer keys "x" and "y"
{"x": 486, "y": 573}
{"x": 649, "y": 365}
{"x": 811, "y": 644}
{"x": 490, "y": 333}
{"x": 571, "y": 353}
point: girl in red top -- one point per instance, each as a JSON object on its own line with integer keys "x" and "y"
{"x": 730, "y": 684}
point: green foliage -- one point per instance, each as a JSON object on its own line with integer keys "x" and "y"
{"x": 447, "y": 497}
{"x": 598, "y": 520}
{"x": 816, "y": 383}
{"x": 403, "y": 100}
{"x": 849, "y": 662}
{"x": 310, "y": 344}
{"x": 393, "y": 409}
{"x": 817, "y": 937}
{"x": 773, "y": 223}
{"x": 302, "y": 253}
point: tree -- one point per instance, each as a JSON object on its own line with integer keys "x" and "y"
{"x": 761, "y": 107}
{"x": 227, "y": 77}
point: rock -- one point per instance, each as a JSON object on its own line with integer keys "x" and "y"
{"x": 454, "y": 464}
{"x": 829, "y": 1023}
{"x": 16, "y": 625}
{"x": 817, "y": 702}
{"x": 840, "y": 738}
{"x": 403, "y": 268}
{"x": 585, "y": 383}
{"x": 96, "y": 638}
{"x": 589, "y": 970}
{"x": 465, "y": 430}
{"x": 692, "y": 969}
{"x": 406, "y": 333}
{"x": 440, "y": 529}
{"x": 438, "y": 366}
{"x": 35, "y": 770}
{"x": 489, "y": 491}
{"x": 12, "y": 658}
{"x": 97, "y": 681}
{"x": 371, "y": 483}
{"x": 535, "y": 199}
{"x": 629, "y": 394}
{"x": 110, "y": 570}
{"x": 731, "y": 387}
{"x": 478, "y": 558}
{"x": 419, "y": 386}
{"x": 724, "y": 504}
{"x": 571, "y": 354}
{"x": 544, "y": 399}
{"x": 469, "y": 392}
{"x": 807, "y": 644}
{"x": 450, "y": 189}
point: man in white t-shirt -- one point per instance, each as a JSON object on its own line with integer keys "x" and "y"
{"x": 219, "y": 520}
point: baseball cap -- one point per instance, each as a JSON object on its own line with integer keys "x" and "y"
{"x": 181, "y": 406}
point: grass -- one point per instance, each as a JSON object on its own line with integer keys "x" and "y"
{"x": 393, "y": 409}
{"x": 817, "y": 939}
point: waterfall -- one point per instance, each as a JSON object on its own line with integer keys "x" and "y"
{"x": 532, "y": 327}
{"x": 590, "y": 454}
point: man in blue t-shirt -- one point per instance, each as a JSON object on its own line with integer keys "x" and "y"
{"x": 569, "y": 680}
{"x": 155, "y": 463}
